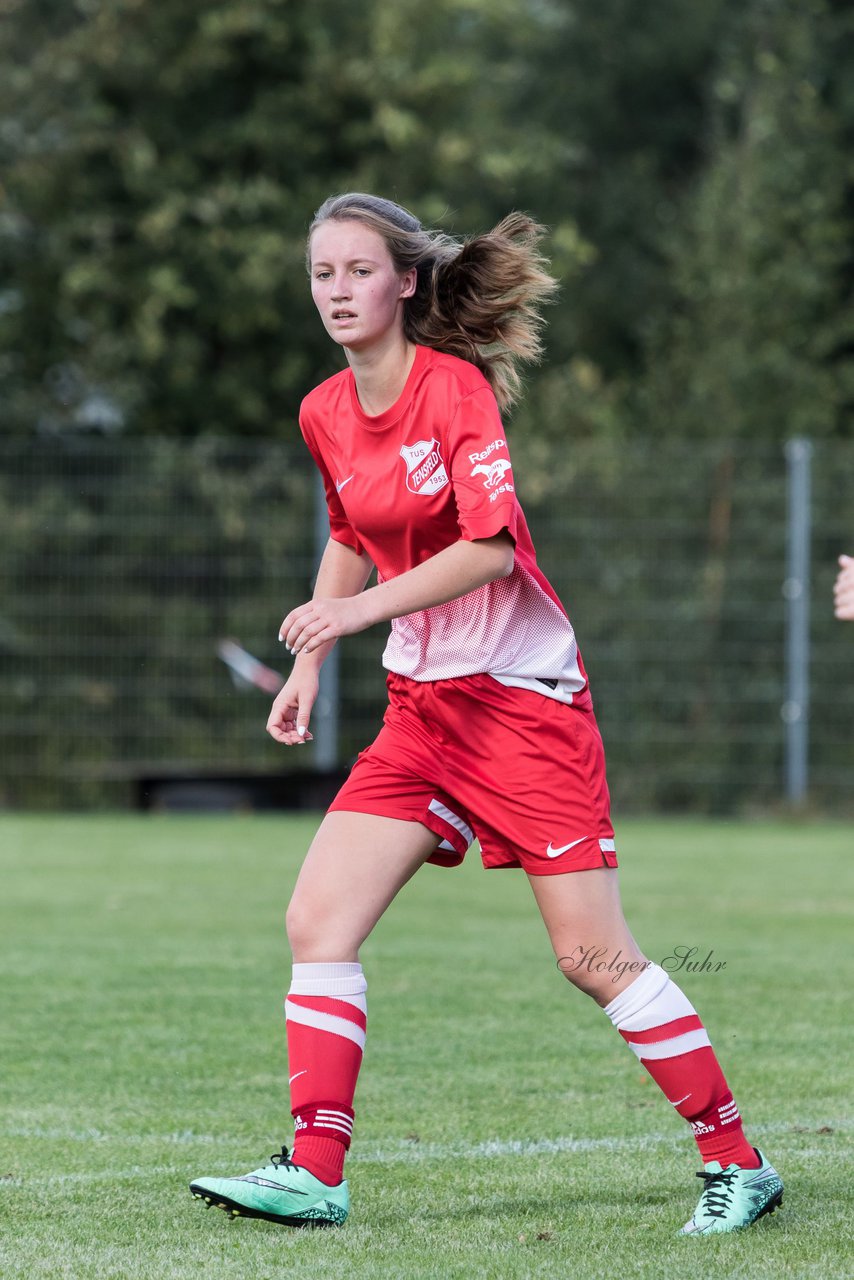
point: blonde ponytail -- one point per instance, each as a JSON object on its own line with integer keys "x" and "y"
{"x": 485, "y": 303}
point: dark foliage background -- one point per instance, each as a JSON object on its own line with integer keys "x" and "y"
{"x": 159, "y": 165}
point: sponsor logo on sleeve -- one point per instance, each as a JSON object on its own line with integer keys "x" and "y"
{"x": 425, "y": 469}
{"x": 500, "y": 443}
{"x": 502, "y": 488}
{"x": 492, "y": 472}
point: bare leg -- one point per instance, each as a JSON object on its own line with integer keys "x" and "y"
{"x": 356, "y": 866}
{"x": 596, "y": 951}
{"x": 588, "y": 932}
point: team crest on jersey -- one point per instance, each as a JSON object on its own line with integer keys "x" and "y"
{"x": 425, "y": 470}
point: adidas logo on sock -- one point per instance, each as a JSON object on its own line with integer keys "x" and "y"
{"x": 699, "y": 1127}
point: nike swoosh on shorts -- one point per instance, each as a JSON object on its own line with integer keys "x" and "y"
{"x": 551, "y": 852}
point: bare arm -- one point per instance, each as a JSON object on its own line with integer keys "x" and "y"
{"x": 342, "y": 573}
{"x": 453, "y": 572}
{"x": 843, "y": 590}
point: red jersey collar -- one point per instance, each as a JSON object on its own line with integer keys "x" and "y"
{"x": 387, "y": 419}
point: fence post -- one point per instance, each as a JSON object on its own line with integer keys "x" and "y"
{"x": 324, "y": 719}
{"x": 796, "y": 589}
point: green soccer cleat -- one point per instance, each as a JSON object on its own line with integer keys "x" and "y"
{"x": 733, "y": 1198}
{"x": 280, "y": 1192}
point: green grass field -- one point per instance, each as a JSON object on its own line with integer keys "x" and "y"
{"x": 503, "y": 1129}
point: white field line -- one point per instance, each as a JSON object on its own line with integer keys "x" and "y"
{"x": 491, "y": 1147}
{"x": 408, "y": 1152}
{"x": 56, "y": 1133}
{"x": 134, "y": 1173}
{"x": 398, "y": 1152}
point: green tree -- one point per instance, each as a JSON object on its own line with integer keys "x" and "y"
{"x": 161, "y": 162}
{"x": 759, "y": 340}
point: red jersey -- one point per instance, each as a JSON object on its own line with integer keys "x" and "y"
{"x": 402, "y": 486}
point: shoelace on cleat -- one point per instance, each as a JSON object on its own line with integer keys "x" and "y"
{"x": 718, "y": 1191}
{"x": 282, "y": 1160}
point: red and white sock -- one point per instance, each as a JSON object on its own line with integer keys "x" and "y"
{"x": 661, "y": 1026}
{"x": 326, "y": 1017}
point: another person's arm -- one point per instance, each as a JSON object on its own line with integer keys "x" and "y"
{"x": 843, "y": 590}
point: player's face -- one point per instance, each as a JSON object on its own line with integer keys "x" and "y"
{"x": 355, "y": 285}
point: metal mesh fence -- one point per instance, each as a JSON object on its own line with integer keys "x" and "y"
{"x": 123, "y": 564}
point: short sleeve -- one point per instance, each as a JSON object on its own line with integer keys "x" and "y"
{"x": 340, "y": 529}
{"x": 481, "y": 470}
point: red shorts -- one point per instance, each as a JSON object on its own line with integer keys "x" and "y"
{"x": 471, "y": 758}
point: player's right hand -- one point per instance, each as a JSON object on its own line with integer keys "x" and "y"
{"x": 291, "y": 710}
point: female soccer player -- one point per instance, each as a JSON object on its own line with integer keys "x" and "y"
{"x": 489, "y": 731}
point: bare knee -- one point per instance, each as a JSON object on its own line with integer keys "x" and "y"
{"x": 319, "y": 933}
{"x": 298, "y": 927}
{"x": 600, "y": 977}
{"x": 356, "y": 865}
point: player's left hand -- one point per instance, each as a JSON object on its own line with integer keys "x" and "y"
{"x": 310, "y": 625}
